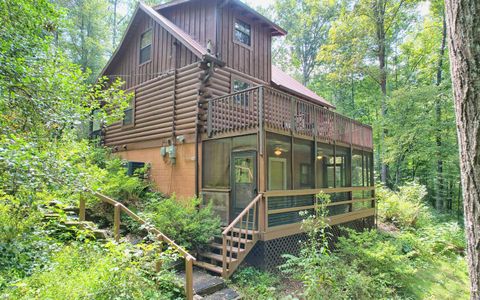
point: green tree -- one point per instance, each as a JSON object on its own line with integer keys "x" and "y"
{"x": 86, "y": 34}
{"x": 307, "y": 23}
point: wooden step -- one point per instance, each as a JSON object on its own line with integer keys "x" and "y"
{"x": 216, "y": 257}
{"x": 243, "y": 231}
{"x": 233, "y": 249}
{"x": 209, "y": 266}
{"x": 240, "y": 240}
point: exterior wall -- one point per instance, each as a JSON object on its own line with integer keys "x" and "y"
{"x": 197, "y": 18}
{"x": 221, "y": 82}
{"x": 165, "y": 54}
{"x": 164, "y": 107}
{"x": 168, "y": 178}
{"x": 254, "y": 60}
{"x": 213, "y": 21}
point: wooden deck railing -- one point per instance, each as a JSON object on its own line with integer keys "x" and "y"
{"x": 262, "y": 106}
{"x": 162, "y": 238}
{"x": 283, "y": 207}
{"x": 245, "y": 224}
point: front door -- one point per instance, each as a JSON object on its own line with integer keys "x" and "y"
{"x": 244, "y": 181}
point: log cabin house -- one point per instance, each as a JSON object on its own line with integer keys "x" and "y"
{"x": 214, "y": 118}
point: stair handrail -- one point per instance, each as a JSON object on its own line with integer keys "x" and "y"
{"x": 238, "y": 219}
{"x": 161, "y": 237}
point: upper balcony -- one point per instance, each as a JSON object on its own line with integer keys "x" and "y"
{"x": 262, "y": 107}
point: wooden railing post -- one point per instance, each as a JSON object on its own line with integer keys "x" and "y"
{"x": 209, "y": 118}
{"x": 81, "y": 210}
{"x": 189, "y": 278}
{"x": 158, "y": 264}
{"x": 116, "y": 221}
{"x": 260, "y": 118}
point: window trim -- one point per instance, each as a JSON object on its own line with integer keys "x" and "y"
{"x": 132, "y": 124}
{"x": 235, "y": 41}
{"x": 140, "y": 63}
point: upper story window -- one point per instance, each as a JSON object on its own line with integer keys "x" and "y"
{"x": 128, "y": 114}
{"x": 146, "y": 46}
{"x": 243, "y": 32}
{"x": 238, "y": 86}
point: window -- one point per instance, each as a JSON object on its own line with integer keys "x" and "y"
{"x": 96, "y": 122}
{"x": 303, "y": 164}
{"x": 145, "y": 46}
{"x": 128, "y": 114}
{"x": 242, "y": 32}
{"x": 238, "y": 86}
{"x": 279, "y": 153}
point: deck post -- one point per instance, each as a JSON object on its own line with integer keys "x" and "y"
{"x": 81, "y": 210}
{"x": 209, "y": 118}
{"x": 116, "y": 222}
{"x": 189, "y": 278}
{"x": 260, "y": 118}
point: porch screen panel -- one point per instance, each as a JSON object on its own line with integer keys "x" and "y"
{"x": 303, "y": 177}
{"x": 325, "y": 166}
{"x": 216, "y": 163}
{"x": 357, "y": 168}
{"x": 342, "y": 166}
{"x": 279, "y": 162}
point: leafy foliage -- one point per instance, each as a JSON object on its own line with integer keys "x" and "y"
{"x": 88, "y": 271}
{"x": 189, "y": 226}
{"x": 255, "y": 284}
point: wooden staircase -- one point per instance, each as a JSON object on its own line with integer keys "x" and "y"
{"x": 229, "y": 250}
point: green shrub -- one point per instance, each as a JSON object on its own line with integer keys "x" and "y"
{"x": 255, "y": 284}
{"x": 88, "y": 271}
{"x": 186, "y": 223}
{"x": 404, "y": 208}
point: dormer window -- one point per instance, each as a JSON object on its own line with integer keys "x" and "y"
{"x": 145, "y": 46}
{"x": 242, "y": 32}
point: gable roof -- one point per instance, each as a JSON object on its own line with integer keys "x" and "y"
{"x": 279, "y": 78}
{"x": 276, "y": 29}
{"x": 173, "y": 29}
{"x": 286, "y": 82}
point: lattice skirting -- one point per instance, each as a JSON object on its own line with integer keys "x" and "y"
{"x": 267, "y": 255}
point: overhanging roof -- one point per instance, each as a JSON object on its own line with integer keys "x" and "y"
{"x": 286, "y": 82}
{"x": 279, "y": 78}
{"x": 173, "y": 29}
{"x": 276, "y": 29}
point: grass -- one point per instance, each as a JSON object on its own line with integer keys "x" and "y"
{"x": 442, "y": 279}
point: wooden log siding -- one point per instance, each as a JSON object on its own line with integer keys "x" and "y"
{"x": 285, "y": 113}
{"x": 164, "y": 107}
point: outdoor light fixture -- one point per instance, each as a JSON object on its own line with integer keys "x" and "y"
{"x": 278, "y": 150}
{"x": 319, "y": 155}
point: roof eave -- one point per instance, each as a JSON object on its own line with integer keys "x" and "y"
{"x": 317, "y": 101}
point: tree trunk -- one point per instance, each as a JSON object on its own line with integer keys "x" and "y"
{"x": 439, "y": 199}
{"x": 379, "y": 12}
{"x": 463, "y": 23}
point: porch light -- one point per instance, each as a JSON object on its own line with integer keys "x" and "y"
{"x": 278, "y": 150}
{"x": 319, "y": 155}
